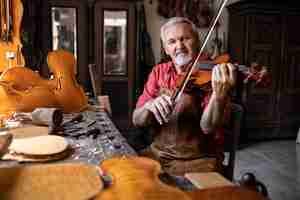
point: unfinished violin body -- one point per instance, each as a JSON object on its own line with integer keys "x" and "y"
{"x": 23, "y": 90}
{"x": 69, "y": 94}
{"x": 136, "y": 178}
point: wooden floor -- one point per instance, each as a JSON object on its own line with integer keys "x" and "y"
{"x": 276, "y": 164}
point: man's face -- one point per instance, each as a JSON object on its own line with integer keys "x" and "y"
{"x": 180, "y": 43}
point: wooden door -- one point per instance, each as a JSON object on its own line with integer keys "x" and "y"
{"x": 264, "y": 47}
{"x": 289, "y": 95}
{"x": 269, "y": 35}
{"x": 115, "y": 56}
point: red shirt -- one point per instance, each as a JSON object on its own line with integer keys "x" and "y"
{"x": 164, "y": 75}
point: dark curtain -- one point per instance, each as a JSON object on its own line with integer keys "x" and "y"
{"x": 145, "y": 56}
{"x": 35, "y": 34}
{"x": 140, "y": 138}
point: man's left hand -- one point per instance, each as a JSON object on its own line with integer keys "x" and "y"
{"x": 223, "y": 79}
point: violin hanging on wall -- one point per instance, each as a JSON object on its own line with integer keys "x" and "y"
{"x": 11, "y": 13}
{"x": 198, "y": 11}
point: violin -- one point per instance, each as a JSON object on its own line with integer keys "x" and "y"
{"x": 201, "y": 75}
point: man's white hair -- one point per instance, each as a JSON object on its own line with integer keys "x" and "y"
{"x": 177, "y": 20}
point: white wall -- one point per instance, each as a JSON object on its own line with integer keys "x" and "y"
{"x": 154, "y": 22}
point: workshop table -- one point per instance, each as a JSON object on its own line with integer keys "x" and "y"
{"x": 92, "y": 139}
{"x": 96, "y": 138}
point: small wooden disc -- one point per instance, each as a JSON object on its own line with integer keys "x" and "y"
{"x": 41, "y": 145}
{"x": 37, "y": 159}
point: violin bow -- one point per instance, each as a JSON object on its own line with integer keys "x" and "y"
{"x": 180, "y": 90}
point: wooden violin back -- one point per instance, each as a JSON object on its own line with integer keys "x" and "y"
{"x": 136, "y": 178}
{"x": 12, "y": 44}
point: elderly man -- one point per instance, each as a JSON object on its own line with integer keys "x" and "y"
{"x": 188, "y": 133}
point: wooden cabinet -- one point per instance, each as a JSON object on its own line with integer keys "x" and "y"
{"x": 269, "y": 33}
{"x": 115, "y": 39}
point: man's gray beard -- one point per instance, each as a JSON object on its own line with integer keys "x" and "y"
{"x": 182, "y": 59}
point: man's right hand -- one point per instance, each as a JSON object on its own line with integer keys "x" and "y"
{"x": 161, "y": 107}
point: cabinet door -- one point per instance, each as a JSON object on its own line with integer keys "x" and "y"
{"x": 289, "y": 108}
{"x": 264, "y": 47}
{"x": 115, "y": 56}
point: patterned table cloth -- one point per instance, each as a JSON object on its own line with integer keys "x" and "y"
{"x": 96, "y": 138}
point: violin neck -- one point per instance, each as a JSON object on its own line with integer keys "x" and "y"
{"x": 209, "y": 66}
{"x": 205, "y": 66}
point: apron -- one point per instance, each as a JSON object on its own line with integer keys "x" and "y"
{"x": 180, "y": 145}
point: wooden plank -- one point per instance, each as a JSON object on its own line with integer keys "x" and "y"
{"x": 208, "y": 180}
